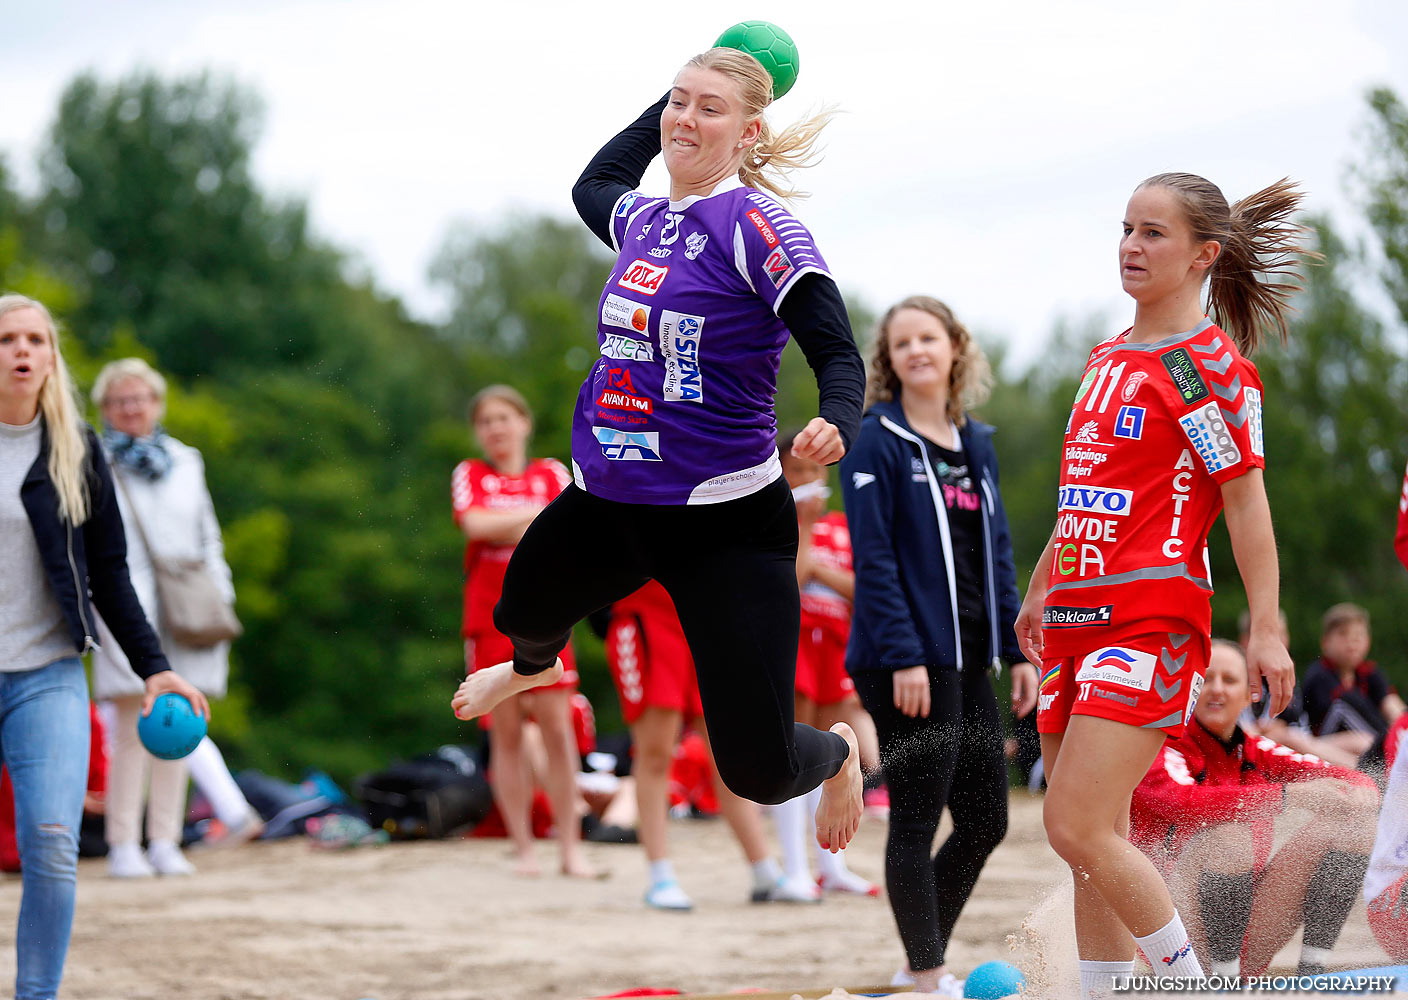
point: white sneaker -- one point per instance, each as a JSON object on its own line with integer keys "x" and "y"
{"x": 166, "y": 858}
{"x": 668, "y": 896}
{"x": 950, "y": 986}
{"x": 126, "y": 861}
{"x": 788, "y": 890}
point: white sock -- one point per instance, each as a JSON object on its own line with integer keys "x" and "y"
{"x": 1314, "y": 956}
{"x": 1098, "y": 979}
{"x": 793, "y": 821}
{"x": 766, "y": 874}
{"x": 662, "y": 871}
{"x": 1228, "y": 969}
{"x": 213, "y": 778}
{"x": 1170, "y": 951}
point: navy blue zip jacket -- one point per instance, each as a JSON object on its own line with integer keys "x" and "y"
{"x": 905, "y": 612}
{"x": 90, "y": 560}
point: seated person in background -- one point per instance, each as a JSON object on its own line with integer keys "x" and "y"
{"x": 1292, "y": 727}
{"x": 1205, "y": 814}
{"x": 1386, "y": 884}
{"x": 1348, "y": 699}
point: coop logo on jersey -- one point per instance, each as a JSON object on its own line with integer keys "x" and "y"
{"x": 1054, "y": 616}
{"x": 1208, "y": 433}
{"x": 613, "y": 345}
{"x": 778, "y": 267}
{"x": 1129, "y": 423}
{"x": 765, "y": 230}
{"x": 1118, "y": 665}
{"x": 644, "y": 277}
{"x": 1190, "y": 385}
{"x": 680, "y": 335}
{"x": 1099, "y": 500}
{"x": 694, "y": 244}
{"x": 628, "y": 446}
{"x": 619, "y": 311}
{"x": 1131, "y": 385}
{"x": 1252, "y": 398}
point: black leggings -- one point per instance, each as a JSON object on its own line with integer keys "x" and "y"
{"x": 731, "y": 570}
{"x": 953, "y": 758}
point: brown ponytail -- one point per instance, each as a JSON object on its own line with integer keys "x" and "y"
{"x": 1260, "y": 244}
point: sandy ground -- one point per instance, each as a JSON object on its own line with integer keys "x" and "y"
{"x": 447, "y": 921}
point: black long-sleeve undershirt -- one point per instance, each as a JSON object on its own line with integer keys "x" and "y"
{"x": 813, "y": 310}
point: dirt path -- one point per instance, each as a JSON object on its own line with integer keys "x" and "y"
{"x": 446, "y": 921}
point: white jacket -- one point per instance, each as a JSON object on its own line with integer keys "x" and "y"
{"x": 178, "y": 519}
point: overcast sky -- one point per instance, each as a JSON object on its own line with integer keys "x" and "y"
{"x": 985, "y": 152}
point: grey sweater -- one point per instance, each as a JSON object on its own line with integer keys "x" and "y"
{"x": 32, "y": 629}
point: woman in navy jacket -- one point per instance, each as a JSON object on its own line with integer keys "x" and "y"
{"x": 65, "y": 554}
{"x": 935, "y": 602}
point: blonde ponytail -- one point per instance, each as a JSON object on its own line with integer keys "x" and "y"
{"x": 770, "y": 162}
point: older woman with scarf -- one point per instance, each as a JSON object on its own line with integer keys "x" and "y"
{"x": 168, "y": 513}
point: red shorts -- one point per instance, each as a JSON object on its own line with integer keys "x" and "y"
{"x": 652, "y": 666}
{"x": 821, "y": 666}
{"x": 1150, "y": 680}
{"x": 487, "y": 648}
{"x": 1388, "y": 919}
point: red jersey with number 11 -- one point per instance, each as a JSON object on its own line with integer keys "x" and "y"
{"x": 1155, "y": 430}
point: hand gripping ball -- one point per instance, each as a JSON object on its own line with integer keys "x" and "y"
{"x": 172, "y": 729}
{"x": 993, "y": 981}
{"x": 771, "y": 46}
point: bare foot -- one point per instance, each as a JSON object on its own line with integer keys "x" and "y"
{"x": 838, "y": 815}
{"x": 527, "y": 866}
{"x": 580, "y": 869}
{"x": 484, "y": 689}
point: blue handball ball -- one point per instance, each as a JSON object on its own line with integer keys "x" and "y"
{"x": 172, "y": 729}
{"x": 993, "y": 981}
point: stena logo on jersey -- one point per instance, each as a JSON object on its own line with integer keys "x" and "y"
{"x": 628, "y": 446}
{"x": 680, "y": 335}
{"x": 644, "y": 277}
{"x": 1098, "y": 500}
{"x": 1118, "y": 665}
{"x": 1211, "y": 439}
{"x": 619, "y": 311}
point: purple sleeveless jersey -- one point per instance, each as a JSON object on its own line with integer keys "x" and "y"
{"x": 679, "y": 407}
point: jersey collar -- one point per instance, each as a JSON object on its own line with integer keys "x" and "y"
{"x": 727, "y": 184}
{"x": 1168, "y": 341}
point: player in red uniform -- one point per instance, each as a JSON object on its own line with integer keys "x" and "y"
{"x": 495, "y": 499}
{"x": 1400, "y": 541}
{"x": 654, "y": 672}
{"x": 1205, "y": 815}
{"x": 825, "y": 692}
{"x": 1165, "y": 433}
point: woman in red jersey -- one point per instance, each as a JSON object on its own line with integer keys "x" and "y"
{"x": 495, "y": 499}
{"x": 1206, "y": 812}
{"x": 1165, "y": 434}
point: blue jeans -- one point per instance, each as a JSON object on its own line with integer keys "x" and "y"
{"x": 44, "y": 730}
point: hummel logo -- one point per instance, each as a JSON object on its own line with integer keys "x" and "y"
{"x": 861, "y": 479}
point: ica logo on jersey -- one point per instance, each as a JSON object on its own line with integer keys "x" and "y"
{"x": 643, "y": 276}
{"x": 680, "y": 336}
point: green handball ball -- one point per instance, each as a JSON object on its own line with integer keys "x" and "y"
{"x": 771, "y": 46}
